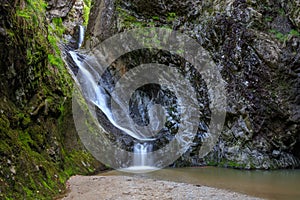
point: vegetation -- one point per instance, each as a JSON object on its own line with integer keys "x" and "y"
{"x": 284, "y": 37}
{"x": 36, "y": 157}
{"x": 171, "y": 17}
{"x": 128, "y": 21}
{"x": 86, "y": 11}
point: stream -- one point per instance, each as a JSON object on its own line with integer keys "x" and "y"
{"x": 277, "y": 184}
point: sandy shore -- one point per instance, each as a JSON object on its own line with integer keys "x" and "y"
{"x": 123, "y": 188}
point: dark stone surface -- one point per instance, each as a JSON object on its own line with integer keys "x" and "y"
{"x": 260, "y": 67}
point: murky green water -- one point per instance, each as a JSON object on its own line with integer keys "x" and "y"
{"x": 278, "y": 184}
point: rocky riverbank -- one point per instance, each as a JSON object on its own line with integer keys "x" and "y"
{"x": 124, "y": 187}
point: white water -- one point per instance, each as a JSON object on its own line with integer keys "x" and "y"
{"x": 81, "y": 36}
{"x": 88, "y": 79}
{"x": 96, "y": 94}
{"x": 140, "y": 151}
{"x": 142, "y": 162}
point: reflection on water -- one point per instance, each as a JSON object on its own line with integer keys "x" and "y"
{"x": 278, "y": 184}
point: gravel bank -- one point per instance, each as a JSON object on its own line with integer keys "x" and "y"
{"x": 129, "y": 188}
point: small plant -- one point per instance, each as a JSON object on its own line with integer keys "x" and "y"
{"x": 171, "y": 17}
{"x": 23, "y": 13}
{"x": 129, "y": 21}
{"x": 281, "y": 36}
{"x": 284, "y": 37}
{"x": 294, "y": 33}
{"x": 268, "y": 19}
{"x": 172, "y": 14}
{"x": 155, "y": 18}
{"x": 281, "y": 12}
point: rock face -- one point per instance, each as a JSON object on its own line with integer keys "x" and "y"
{"x": 59, "y": 8}
{"x": 102, "y": 22}
{"x": 257, "y": 47}
{"x": 39, "y": 147}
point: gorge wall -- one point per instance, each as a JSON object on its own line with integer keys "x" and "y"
{"x": 256, "y": 45}
{"x": 39, "y": 148}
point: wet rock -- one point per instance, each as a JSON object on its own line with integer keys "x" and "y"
{"x": 102, "y": 22}
{"x": 259, "y": 59}
{"x": 281, "y": 24}
{"x": 74, "y": 19}
{"x": 59, "y": 8}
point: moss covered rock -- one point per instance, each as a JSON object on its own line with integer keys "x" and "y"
{"x": 39, "y": 147}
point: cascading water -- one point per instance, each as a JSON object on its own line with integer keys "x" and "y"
{"x": 161, "y": 111}
{"x": 80, "y": 36}
{"x": 140, "y": 151}
{"x": 96, "y": 93}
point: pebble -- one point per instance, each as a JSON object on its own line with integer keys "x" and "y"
{"x": 127, "y": 188}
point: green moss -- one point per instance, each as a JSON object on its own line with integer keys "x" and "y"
{"x": 55, "y": 33}
{"x": 234, "y": 164}
{"x": 29, "y": 193}
{"x": 294, "y": 32}
{"x": 128, "y": 21}
{"x": 55, "y": 60}
{"x": 155, "y": 17}
{"x": 25, "y": 139}
{"x": 284, "y": 37}
{"x": 281, "y": 12}
{"x": 171, "y": 17}
{"x": 58, "y": 27}
{"x": 212, "y": 163}
{"x": 268, "y": 19}
{"x": 86, "y": 11}
{"x": 33, "y": 11}
{"x": 5, "y": 148}
{"x": 31, "y": 135}
{"x": 24, "y": 119}
{"x": 280, "y": 36}
{"x": 24, "y": 14}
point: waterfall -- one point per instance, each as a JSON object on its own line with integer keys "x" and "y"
{"x": 143, "y": 107}
{"x": 140, "y": 158}
{"x": 80, "y": 35}
{"x": 96, "y": 94}
{"x": 139, "y": 119}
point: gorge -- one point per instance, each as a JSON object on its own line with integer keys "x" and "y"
{"x": 254, "y": 45}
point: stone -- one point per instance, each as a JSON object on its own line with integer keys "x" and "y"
{"x": 59, "y": 8}
{"x": 260, "y": 67}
